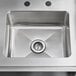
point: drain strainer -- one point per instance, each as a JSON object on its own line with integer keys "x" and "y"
{"x": 38, "y": 46}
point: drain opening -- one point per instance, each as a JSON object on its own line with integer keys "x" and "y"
{"x": 38, "y": 46}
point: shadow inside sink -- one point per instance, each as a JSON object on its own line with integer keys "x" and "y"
{"x": 37, "y": 34}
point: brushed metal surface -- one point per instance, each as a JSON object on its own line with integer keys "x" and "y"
{"x": 67, "y": 64}
{"x": 51, "y": 27}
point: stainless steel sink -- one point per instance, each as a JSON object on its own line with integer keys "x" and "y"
{"x": 40, "y": 37}
{"x": 37, "y": 34}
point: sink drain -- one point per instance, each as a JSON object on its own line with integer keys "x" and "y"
{"x": 38, "y": 46}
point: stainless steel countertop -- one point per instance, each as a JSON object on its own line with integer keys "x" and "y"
{"x": 52, "y": 64}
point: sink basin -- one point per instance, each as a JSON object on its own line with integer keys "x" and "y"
{"x": 37, "y": 34}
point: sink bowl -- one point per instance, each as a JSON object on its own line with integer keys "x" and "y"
{"x": 37, "y": 34}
